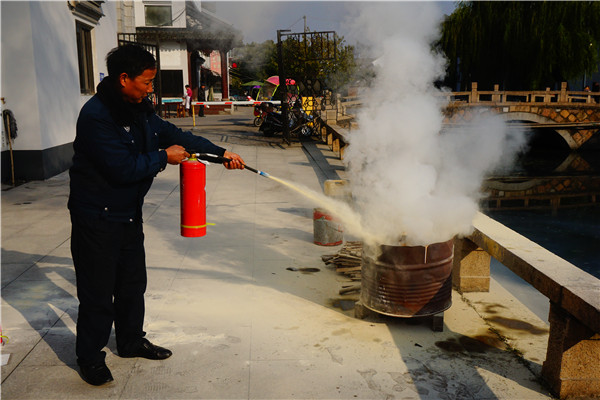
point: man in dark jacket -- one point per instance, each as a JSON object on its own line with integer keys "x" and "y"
{"x": 120, "y": 145}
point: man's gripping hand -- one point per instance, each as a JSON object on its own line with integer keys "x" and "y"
{"x": 236, "y": 161}
{"x": 176, "y": 154}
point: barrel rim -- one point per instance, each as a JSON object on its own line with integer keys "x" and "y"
{"x": 407, "y": 316}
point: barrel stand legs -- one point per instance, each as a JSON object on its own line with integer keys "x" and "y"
{"x": 362, "y": 312}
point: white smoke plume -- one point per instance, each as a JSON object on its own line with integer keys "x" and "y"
{"x": 408, "y": 175}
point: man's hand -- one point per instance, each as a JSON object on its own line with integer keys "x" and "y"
{"x": 236, "y": 161}
{"x": 176, "y": 154}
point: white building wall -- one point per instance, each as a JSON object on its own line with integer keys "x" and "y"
{"x": 56, "y": 72}
{"x": 105, "y": 37}
{"x": 173, "y": 55}
{"x": 19, "y": 87}
{"x": 40, "y": 71}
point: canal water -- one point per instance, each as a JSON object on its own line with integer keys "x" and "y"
{"x": 552, "y": 197}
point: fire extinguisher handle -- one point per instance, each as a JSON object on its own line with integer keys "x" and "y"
{"x": 211, "y": 157}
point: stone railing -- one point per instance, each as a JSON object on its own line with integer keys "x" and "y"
{"x": 573, "y": 353}
{"x": 340, "y": 108}
{"x": 562, "y": 96}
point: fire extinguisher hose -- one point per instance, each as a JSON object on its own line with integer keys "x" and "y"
{"x": 220, "y": 160}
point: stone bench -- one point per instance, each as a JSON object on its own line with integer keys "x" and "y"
{"x": 572, "y": 365}
{"x": 334, "y": 135}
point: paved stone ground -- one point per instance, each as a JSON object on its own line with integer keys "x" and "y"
{"x": 240, "y": 324}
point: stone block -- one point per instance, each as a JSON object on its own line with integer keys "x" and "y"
{"x": 471, "y": 267}
{"x": 342, "y": 151}
{"x": 571, "y": 366}
{"x": 564, "y": 113}
{"x": 337, "y": 188}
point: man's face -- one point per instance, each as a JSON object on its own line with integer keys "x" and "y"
{"x": 134, "y": 90}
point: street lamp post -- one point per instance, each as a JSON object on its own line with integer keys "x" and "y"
{"x": 283, "y": 85}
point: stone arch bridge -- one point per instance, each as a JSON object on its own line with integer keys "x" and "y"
{"x": 575, "y": 116}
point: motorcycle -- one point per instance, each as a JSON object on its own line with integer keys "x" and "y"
{"x": 259, "y": 115}
{"x": 273, "y": 120}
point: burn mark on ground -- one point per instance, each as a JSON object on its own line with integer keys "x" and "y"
{"x": 477, "y": 344}
{"x": 493, "y": 308}
{"x": 450, "y": 345}
{"x": 519, "y": 325}
{"x": 303, "y": 270}
{"x": 308, "y": 270}
{"x": 344, "y": 304}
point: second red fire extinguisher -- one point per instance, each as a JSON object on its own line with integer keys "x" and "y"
{"x": 192, "y": 173}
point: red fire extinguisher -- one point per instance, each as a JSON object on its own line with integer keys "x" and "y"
{"x": 192, "y": 174}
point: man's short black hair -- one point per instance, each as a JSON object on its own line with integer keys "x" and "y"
{"x": 131, "y": 59}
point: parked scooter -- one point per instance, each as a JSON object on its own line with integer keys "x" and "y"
{"x": 273, "y": 120}
{"x": 259, "y": 114}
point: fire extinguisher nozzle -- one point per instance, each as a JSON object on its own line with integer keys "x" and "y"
{"x": 256, "y": 171}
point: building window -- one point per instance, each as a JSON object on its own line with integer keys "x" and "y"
{"x": 84, "y": 56}
{"x": 158, "y": 16}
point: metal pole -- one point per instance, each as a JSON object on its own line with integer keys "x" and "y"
{"x": 283, "y": 81}
{"x": 158, "y": 79}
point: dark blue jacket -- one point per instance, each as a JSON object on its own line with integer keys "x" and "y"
{"x": 116, "y": 158}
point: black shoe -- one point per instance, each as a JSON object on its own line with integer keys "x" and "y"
{"x": 96, "y": 374}
{"x": 145, "y": 349}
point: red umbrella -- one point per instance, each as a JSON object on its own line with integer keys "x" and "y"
{"x": 275, "y": 81}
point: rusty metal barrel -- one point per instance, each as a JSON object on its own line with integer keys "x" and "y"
{"x": 407, "y": 281}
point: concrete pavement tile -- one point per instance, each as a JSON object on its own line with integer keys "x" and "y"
{"x": 291, "y": 276}
{"x": 266, "y": 250}
{"x": 277, "y": 247}
{"x": 10, "y": 272}
{"x": 195, "y": 377}
{"x": 159, "y": 282}
{"x": 320, "y": 379}
{"x": 286, "y": 326}
{"x": 232, "y": 197}
{"x": 227, "y": 213}
{"x": 29, "y": 248}
{"x": 164, "y": 232}
{"x": 49, "y": 271}
{"x": 38, "y": 304}
{"x": 60, "y": 382}
{"x": 224, "y": 300}
{"x": 234, "y": 261}
{"x": 56, "y": 347}
{"x": 19, "y": 344}
{"x": 522, "y": 328}
{"x": 225, "y": 233}
{"x": 164, "y": 248}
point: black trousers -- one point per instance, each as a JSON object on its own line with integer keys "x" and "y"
{"x": 110, "y": 268}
